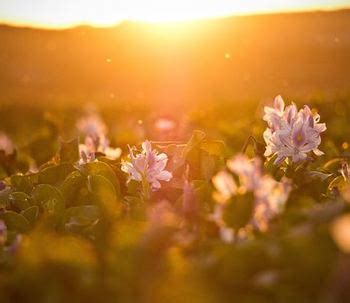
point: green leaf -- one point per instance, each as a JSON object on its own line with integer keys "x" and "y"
{"x": 69, "y": 151}
{"x": 195, "y": 141}
{"x": 214, "y": 148}
{"x": 19, "y": 200}
{"x": 49, "y": 198}
{"x": 23, "y": 183}
{"x": 103, "y": 169}
{"x": 15, "y": 221}
{"x": 31, "y": 213}
{"x": 208, "y": 166}
{"x": 55, "y": 174}
{"x": 71, "y": 186}
{"x": 4, "y": 197}
{"x": 333, "y": 164}
{"x": 133, "y": 187}
{"x": 318, "y": 175}
{"x": 79, "y": 217}
{"x": 104, "y": 194}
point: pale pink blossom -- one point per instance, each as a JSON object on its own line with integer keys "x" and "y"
{"x": 248, "y": 171}
{"x": 270, "y": 199}
{"x": 95, "y": 144}
{"x": 86, "y": 155}
{"x": 274, "y": 115}
{"x": 92, "y": 125}
{"x": 291, "y": 134}
{"x": 269, "y": 195}
{"x": 147, "y": 165}
{"x": 95, "y": 140}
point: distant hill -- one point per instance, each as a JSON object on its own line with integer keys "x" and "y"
{"x": 300, "y": 55}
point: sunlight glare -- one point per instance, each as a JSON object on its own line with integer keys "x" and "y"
{"x": 52, "y": 13}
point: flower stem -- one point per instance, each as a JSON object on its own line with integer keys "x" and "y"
{"x": 146, "y": 190}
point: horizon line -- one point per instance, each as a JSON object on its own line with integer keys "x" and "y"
{"x": 42, "y": 26}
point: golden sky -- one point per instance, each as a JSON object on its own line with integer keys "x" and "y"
{"x": 64, "y": 13}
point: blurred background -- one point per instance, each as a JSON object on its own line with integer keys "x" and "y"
{"x": 186, "y": 60}
{"x": 137, "y": 61}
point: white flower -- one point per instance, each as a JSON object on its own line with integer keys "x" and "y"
{"x": 291, "y": 133}
{"x": 147, "y": 165}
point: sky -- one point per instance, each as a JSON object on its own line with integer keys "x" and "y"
{"x": 66, "y": 13}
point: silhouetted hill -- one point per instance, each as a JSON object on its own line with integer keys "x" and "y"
{"x": 238, "y": 58}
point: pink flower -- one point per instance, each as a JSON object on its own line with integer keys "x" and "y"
{"x": 274, "y": 115}
{"x": 269, "y": 195}
{"x": 92, "y": 125}
{"x": 87, "y": 155}
{"x": 95, "y": 140}
{"x": 292, "y": 134}
{"x": 147, "y": 165}
{"x": 249, "y": 172}
{"x": 93, "y": 145}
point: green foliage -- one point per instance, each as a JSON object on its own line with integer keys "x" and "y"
{"x": 104, "y": 170}
{"x": 15, "y": 221}
{"x": 54, "y": 174}
{"x": 80, "y": 232}
{"x": 69, "y": 151}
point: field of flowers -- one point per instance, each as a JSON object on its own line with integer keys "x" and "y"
{"x": 216, "y": 205}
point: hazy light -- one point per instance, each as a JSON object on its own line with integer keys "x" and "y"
{"x": 341, "y": 233}
{"x": 53, "y": 13}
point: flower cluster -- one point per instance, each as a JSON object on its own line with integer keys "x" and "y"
{"x": 95, "y": 140}
{"x": 147, "y": 166}
{"x": 291, "y": 134}
{"x": 268, "y": 194}
{"x": 91, "y": 124}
